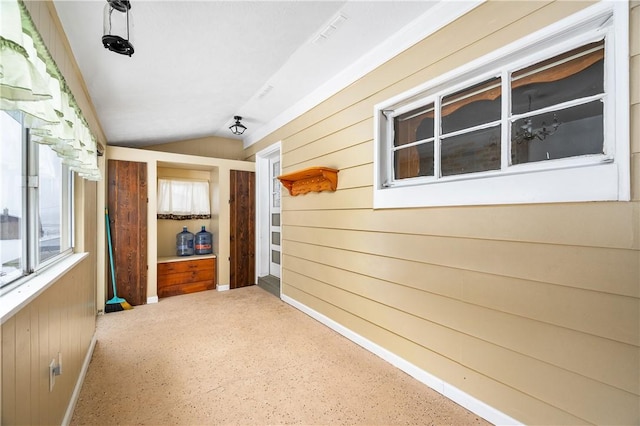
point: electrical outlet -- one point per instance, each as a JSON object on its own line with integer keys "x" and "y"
{"x": 52, "y": 375}
{"x": 55, "y": 369}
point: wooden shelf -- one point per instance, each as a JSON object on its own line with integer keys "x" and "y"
{"x": 314, "y": 179}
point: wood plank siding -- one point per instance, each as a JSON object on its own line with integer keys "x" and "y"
{"x": 532, "y": 309}
{"x": 62, "y": 318}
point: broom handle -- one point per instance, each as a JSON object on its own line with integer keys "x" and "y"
{"x": 113, "y": 275}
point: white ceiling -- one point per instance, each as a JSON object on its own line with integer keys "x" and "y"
{"x": 198, "y": 63}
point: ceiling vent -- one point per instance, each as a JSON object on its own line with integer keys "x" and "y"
{"x": 329, "y": 29}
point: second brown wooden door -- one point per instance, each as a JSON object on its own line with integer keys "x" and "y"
{"x": 243, "y": 235}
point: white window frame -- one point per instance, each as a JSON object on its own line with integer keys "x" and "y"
{"x": 32, "y": 264}
{"x": 586, "y": 178}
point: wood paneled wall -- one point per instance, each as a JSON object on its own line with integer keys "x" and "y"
{"x": 62, "y": 318}
{"x": 533, "y": 309}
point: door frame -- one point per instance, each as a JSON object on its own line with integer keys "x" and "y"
{"x": 263, "y": 195}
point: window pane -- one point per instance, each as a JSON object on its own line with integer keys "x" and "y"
{"x": 471, "y": 152}
{"x": 275, "y": 196}
{"x": 472, "y": 106}
{"x": 275, "y": 238}
{"x": 275, "y": 219}
{"x": 414, "y": 126}
{"x": 577, "y": 131}
{"x": 414, "y": 161}
{"x": 50, "y": 203}
{"x": 11, "y": 209}
{"x": 573, "y": 75}
{"x": 275, "y": 256}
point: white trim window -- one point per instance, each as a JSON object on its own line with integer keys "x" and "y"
{"x": 36, "y": 215}
{"x": 542, "y": 120}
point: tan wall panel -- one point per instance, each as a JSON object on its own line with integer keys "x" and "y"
{"x": 519, "y": 405}
{"x": 345, "y": 138}
{"x": 216, "y": 147}
{"x": 589, "y": 400}
{"x": 353, "y": 156}
{"x": 543, "y": 341}
{"x": 432, "y": 278}
{"x": 60, "y": 320}
{"x": 607, "y": 270}
{"x": 355, "y": 177}
{"x": 531, "y": 374}
{"x": 605, "y": 315}
{"x": 9, "y": 373}
{"x": 554, "y": 224}
{"x": 357, "y": 198}
{"x": 635, "y": 129}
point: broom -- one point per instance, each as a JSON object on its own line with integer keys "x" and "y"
{"x": 116, "y": 303}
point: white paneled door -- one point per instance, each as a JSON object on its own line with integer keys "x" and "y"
{"x": 274, "y": 216}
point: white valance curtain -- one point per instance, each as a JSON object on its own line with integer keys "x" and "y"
{"x": 182, "y": 199}
{"x": 31, "y": 82}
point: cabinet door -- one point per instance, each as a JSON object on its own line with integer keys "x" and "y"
{"x": 243, "y": 235}
{"x": 127, "y": 203}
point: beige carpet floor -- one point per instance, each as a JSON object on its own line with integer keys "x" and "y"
{"x": 244, "y": 357}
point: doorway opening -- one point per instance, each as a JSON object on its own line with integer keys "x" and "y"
{"x": 269, "y": 235}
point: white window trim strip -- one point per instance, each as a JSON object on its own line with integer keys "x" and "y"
{"x": 13, "y": 300}
{"x": 602, "y": 178}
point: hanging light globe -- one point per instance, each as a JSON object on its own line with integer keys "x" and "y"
{"x": 116, "y": 22}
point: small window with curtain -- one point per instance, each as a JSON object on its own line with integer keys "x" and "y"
{"x": 183, "y": 199}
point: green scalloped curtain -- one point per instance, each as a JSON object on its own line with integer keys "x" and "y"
{"x": 31, "y": 82}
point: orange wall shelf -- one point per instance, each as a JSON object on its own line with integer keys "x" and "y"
{"x": 313, "y": 179}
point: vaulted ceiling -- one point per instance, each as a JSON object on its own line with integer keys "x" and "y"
{"x": 196, "y": 64}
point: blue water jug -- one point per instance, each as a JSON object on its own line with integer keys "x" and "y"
{"x": 184, "y": 243}
{"x": 204, "y": 241}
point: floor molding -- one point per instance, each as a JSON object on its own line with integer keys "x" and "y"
{"x": 76, "y": 390}
{"x": 453, "y": 393}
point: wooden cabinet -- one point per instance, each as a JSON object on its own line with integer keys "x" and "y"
{"x": 182, "y": 275}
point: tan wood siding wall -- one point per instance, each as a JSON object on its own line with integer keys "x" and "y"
{"x": 62, "y": 318}
{"x": 215, "y": 147}
{"x": 533, "y": 309}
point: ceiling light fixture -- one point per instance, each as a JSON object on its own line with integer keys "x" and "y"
{"x": 237, "y": 128}
{"x": 117, "y": 23}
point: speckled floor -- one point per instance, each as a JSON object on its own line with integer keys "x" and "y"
{"x": 244, "y": 357}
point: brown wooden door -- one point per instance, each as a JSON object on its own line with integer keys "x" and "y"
{"x": 243, "y": 233}
{"x": 127, "y": 204}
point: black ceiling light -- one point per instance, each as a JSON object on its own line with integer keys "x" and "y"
{"x": 116, "y": 27}
{"x": 238, "y": 128}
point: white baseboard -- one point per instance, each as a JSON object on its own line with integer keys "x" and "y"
{"x": 76, "y": 390}
{"x": 222, "y": 287}
{"x": 152, "y": 299}
{"x": 453, "y": 393}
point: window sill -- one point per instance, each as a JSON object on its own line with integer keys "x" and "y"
{"x": 17, "y": 298}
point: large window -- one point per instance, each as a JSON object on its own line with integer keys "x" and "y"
{"x": 545, "y": 121}
{"x": 37, "y": 198}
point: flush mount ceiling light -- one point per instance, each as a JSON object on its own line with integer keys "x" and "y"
{"x": 116, "y": 36}
{"x": 238, "y": 128}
